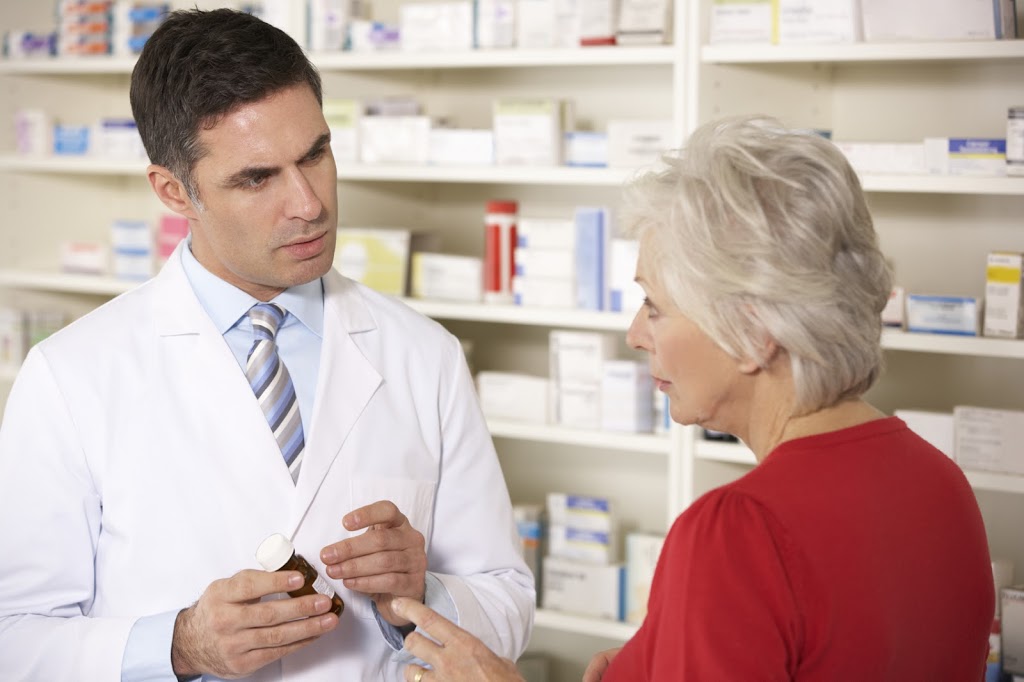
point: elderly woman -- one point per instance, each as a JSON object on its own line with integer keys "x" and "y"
{"x": 854, "y": 550}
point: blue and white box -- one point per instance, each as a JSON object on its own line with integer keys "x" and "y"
{"x": 965, "y": 156}
{"x": 584, "y": 589}
{"x": 591, "y": 246}
{"x": 959, "y": 315}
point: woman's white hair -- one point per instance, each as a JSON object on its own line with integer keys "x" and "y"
{"x": 758, "y": 232}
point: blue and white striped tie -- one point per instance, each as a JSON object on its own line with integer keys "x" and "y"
{"x": 272, "y": 384}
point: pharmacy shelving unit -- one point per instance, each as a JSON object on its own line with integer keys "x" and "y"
{"x": 936, "y": 229}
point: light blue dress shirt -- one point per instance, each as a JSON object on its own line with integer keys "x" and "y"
{"x": 299, "y": 341}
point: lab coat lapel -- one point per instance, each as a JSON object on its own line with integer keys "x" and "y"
{"x": 345, "y": 384}
{"x": 208, "y": 381}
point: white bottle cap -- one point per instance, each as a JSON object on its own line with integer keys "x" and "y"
{"x": 274, "y": 552}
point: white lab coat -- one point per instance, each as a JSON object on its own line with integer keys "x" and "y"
{"x": 136, "y": 467}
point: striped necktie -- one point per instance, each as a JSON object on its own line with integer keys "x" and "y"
{"x": 272, "y": 384}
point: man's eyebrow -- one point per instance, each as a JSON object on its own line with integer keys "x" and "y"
{"x": 254, "y": 172}
{"x": 317, "y": 146}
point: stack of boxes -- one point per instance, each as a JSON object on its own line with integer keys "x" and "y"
{"x": 581, "y": 571}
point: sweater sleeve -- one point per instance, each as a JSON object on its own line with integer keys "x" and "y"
{"x": 722, "y": 604}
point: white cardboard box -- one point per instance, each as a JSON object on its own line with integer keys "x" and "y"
{"x": 584, "y": 589}
{"x": 513, "y": 396}
{"x": 922, "y": 20}
{"x": 1004, "y": 302}
{"x": 447, "y": 277}
{"x": 642, "y": 552}
{"x": 989, "y": 440}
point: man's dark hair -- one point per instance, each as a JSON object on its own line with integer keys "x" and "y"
{"x": 198, "y": 67}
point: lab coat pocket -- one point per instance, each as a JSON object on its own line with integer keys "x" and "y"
{"x": 413, "y": 497}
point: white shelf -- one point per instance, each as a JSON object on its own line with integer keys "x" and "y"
{"x": 511, "y": 314}
{"x": 59, "y": 282}
{"x": 984, "y": 480}
{"x": 738, "y": 453}
{"x": 735, "y": 453}
{"x": 864, "y": 52}
{"x": 83, "y": 165}
{"x": 581, "y": 625}
{"x": 519, "y": 175}
{"x": 623, "y": 442}
{"x": 377, "y": 61}
{"x": 486, "y": 59}
{"x": 57, "y": 66}
{"x": 943, "y": 184}
{"x": 894, "y": 339}
{"x": 525, "y": 175}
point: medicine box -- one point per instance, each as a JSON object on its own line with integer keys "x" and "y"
{"x": 586, "y": 149}
{"x": 495, "y": 23}
{"x": 624, "y": 294}
{"x": 892, "y": 158}
{"x": 626, "y": 397}
{"x": 643, "y": 22}
{"x": 394, "y": 139}
{"x": 584, "y": 589}
{"x": 513, "y": 396}
{"x": 579, "y": 544}
{"x": 447, "y": 277}
{"x": 1012, "y": 606}
{"x": 545, "y": 233}
{"x": 378, "y": 257}
{"x": 581, "y": 511}
{"x": 578, "y": 357}
{"x": 528, "y": 131}
{"x": 989, "y": 440}
{"x": 577, "y": 405}
{"x": 965, "y": 156}
{"x": 342, "y": 116}
{"x": 543, "y": 292}
{"x": 638, "y": 143}
{"x": 642, "y": 552}
{"x": 536, "y": 24}
{"x": 960, "y": 315}
{"x": 818, "y": 21}
{"x": 923, "y": 20}
{"x": 436, "y": 26}
{"x": 461, "y": 147}
{"x": 1004, "y": 302}
{"x": 736, "y": 21}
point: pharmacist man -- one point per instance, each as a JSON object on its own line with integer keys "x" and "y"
{"x": 139, "y": 473}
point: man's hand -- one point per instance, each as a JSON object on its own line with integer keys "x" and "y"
{"x": 230, "y": 633}
{"x": 388, "y": 560}
{"x": 598, "y": 664}
{"x": 454, "y": 655}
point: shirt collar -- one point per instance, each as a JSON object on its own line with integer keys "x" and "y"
{"x": 226, "y": 304}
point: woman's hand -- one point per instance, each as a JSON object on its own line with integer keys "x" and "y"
{"x": 455, "y": 655}
{"x": 598, "y": 664}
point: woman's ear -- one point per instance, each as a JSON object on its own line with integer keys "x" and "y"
{"x": 170, "y": 191}
{"x": 767, "y": 353}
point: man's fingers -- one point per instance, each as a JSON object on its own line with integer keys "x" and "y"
{"x": 435, "y": 625}
{"x": 251, "y": 585}
{"x": 274, "y": 612}
{"x": 382, "y": 513}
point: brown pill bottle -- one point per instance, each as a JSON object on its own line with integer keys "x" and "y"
{"x": 277, "y": 553}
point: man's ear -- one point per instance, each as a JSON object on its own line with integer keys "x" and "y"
{"x": 170, "y": 191}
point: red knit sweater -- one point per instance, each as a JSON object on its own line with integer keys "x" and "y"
{"x": 854, "y": 555}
